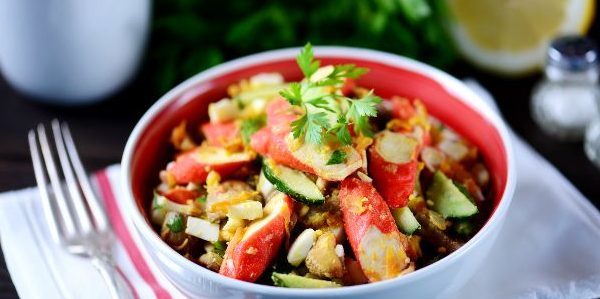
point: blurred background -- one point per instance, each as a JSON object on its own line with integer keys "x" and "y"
{"x": 100, "y": 66}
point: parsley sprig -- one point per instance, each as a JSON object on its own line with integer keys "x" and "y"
{"x": 175, "y": 224}
{"x": 326, "y": 113}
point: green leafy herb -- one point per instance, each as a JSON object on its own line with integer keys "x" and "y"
{"x": 415, "y": 10}
{"x": 220, "y": 247}
{"x": 175, "y": 224}
{"x": 341, "y": 72}
{"x": 326, "y": 114}
{"x": 155, "y": 204}
{"x": 189, "y": 36}
{"x": 337, "y": 157}
{"x": 201, "y": 199}
{"x": 464, "y": 228}
{"x": 360, "y": 111}
{"x": 251, "y": 126}
{"x": 306, "y": 61}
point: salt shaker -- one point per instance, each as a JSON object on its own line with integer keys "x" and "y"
{"x": 564, "y": 103}
{"x": 592, "y": 137}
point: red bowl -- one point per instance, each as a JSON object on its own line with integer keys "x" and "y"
{"x": 446, "y": 98}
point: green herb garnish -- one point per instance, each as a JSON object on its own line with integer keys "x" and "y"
{"x": 155, "y": 204}
{"x": 220, "y": 247}
{"x": 189, "y": 36}
{"x": 250, "y": 126}
{"x": 337, "y": 157}
{"x": 175, "y": 224}
{"x": 464, "y": 228}
{"x": 327, "y": 114}
{"x": 201, "y": 199}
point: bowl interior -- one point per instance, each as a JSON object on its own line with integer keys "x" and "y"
{"x": 151, "y": 153}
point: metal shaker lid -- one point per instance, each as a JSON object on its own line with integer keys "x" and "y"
{"x": 572, "y": 53}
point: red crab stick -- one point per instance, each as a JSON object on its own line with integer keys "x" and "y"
{"x": 194, "y": 165}
{"x": 273, "y": 142}
{"x": 402, "y": 108}
{"x": 270, "y": 140}
{"x": 221, "y": 134}
{"x": 411, "y": 118}
{"x": 393, "y": 166}
{"x": 180, "y": 194}
{"x": 378, "y": 245}
{"x": 252, "y": 249}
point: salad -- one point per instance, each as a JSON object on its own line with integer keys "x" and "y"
{"x": 318, "y": 183}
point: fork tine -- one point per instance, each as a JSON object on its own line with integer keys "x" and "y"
{"x": 81, "y": 213}
{"x": 40, "y": 177}
{"x": 63, "y": 207}
{"x": 94, "y": 203}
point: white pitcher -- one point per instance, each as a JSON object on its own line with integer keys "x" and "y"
{"x": 71, "y": 51}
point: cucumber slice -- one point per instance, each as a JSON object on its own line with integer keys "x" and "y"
{"x": 448, "y": 199}
{"x": 464, "y": 228}
{"x": 296, "y": 281}
{"x": 293, "y": 183}
{"x": 405, "y": 220}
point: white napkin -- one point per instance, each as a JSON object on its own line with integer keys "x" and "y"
{"x": 548, "y": 248}
{"x": 41, "y": 269}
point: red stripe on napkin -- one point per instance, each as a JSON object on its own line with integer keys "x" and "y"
{"x": 129, "y": 284}
{"x": 120, "y": 229}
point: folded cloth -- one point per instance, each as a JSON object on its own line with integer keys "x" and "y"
{"x": 548, "y": 247}
{"x": 41, "y": 269}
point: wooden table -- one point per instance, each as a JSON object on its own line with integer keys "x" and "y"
{"x": 101, "y": 131}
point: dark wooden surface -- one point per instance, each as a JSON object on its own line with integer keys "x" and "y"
{"x": 101, "y": 131}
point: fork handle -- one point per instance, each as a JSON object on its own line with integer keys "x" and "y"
{"x": 115, "y": 281}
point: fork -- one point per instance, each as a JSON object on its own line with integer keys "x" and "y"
{"x": 76, "y": 218}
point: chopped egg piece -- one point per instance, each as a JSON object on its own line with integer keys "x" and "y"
{"x": 266, "y": 79}
{"x": 322, "y": 73}
{"x": 249, "y": 210}
{"x": 301, "y": 246}
{"x": 264, "y": 186}
{"x": 339, "y": 250}
{"x": 454, "y": 149}
{"x": 230, "y": 227}
{"x": 364, "y": 177}
{"x": 202, "y": 229}
{"x": 223, "y": 111}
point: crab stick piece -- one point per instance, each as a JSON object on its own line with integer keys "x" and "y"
{"x": 410, "y": 118}
{"x": 276, "y": 142}
{"x": 194, "y": 165}
{"x": 348, "y": 87}
{"x": 270, "y": 141}
{"x": 180, "y": 194}
{"x": 275, "y": 147}
{"x": 252, "y": 249}
{"x": 377, "y": 244}
{"x": 222, "y": 134}
{"x": 393, "y": 166}
{"x": 402, "y": 108}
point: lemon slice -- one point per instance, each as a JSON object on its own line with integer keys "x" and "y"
{"x": 511, "y": 36}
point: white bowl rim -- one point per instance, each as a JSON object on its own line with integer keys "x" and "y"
{"x": 448, "y": 82}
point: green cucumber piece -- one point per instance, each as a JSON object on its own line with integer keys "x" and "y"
{"x": 296, "y": 281}
{"x": 405, "y": 220}
{"x": 448, "y": 199}
{"x": 464, "y": 228}
{"x": 293, "y": 183}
